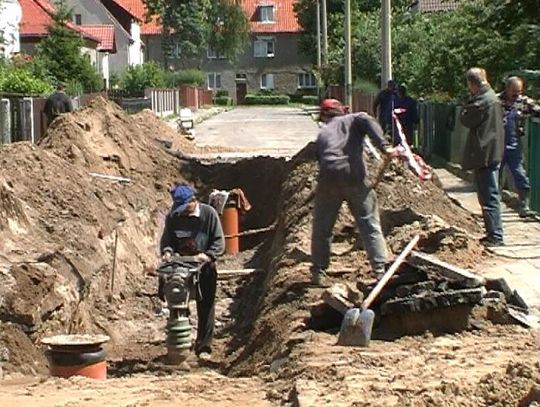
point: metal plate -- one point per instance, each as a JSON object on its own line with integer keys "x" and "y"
{"x": 75, "y": 340}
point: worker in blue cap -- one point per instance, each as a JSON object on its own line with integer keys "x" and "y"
{"x": 193, "y": 228}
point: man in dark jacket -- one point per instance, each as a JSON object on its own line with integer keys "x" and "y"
{"x": 409, "y": 118}
{"x": 342, "y": 177}
{"x": 516, "y": 107}
{"x": 56, "y": 104}
{"x": 384, "y": 105}
{"x": 483, "y": 153}
{"x": 194, "y": 229}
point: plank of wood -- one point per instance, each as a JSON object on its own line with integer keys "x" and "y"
{"x": 225, "y": 274}
{"x": 424, "y": 260}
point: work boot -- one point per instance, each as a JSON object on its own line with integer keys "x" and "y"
{"x": 319, "y": 277}
{"x": 524, "y": 210}
{"x": 379, "y": 272}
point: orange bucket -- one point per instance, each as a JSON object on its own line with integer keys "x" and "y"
{"x": 230, "y": 223}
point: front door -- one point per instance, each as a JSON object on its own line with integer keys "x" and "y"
{"x": 241, "y": 91}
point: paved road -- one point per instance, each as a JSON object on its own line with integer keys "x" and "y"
{"x": 276, "y": 131}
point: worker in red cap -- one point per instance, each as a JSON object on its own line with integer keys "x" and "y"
{"x": 342, "y": 177}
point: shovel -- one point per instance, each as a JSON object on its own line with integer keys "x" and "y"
{"x": 358, "y": 322}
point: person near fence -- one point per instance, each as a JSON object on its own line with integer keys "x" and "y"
{"x": 409, "y": 118}
{"x": 57, "y": 103}
{"x": 342, "y": 177}
{"x": 384, "y": 104}
{"x": 482, "y": 115}
{"x": 516, "y": 107}
{"x": 193, "y": 228}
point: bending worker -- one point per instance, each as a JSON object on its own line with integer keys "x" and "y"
{"x": 342, "y": 177}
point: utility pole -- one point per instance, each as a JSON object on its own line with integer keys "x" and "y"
{"x": 324, "y": 33}
{"x": 319, "y": 47}
{"x": 386, "y": 37}
{"x": 318, "y": 34}
{"x": 348, "y": 64}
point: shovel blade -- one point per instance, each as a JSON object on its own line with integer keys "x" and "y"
{"x": 356, "y": 327}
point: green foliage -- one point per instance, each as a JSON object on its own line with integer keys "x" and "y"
{"x": 186, "y": 77}
{"x": 267, "y": 100}
{"x": 139, "y": 77}
{"x": 310, "y": 100}
{"x": 60, "y": 53}
{"x": 223, "y": 100}
{"x": 193, "y": 26}
{"x": 366, "y": 87}
{"x": 21, "y": 80}
{"x": 432, "y": 51}
{"x": 222, "y": 92}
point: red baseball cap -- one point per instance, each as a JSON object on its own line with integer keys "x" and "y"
{"x": 333, "y": 106}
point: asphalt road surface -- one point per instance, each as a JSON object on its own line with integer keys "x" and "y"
{"x": 275, "y": 131}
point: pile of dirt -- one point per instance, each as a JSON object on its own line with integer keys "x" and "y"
{"x": 59, "y": 222}
{"x": 408, "y": 207}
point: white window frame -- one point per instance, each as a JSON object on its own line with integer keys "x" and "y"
{"x": 267, "y": 81}
{"x": 267, "y": 13}
{"x": 213, "y": 54}
{"x": 264, "y": 47}
{"x": 213, "y": 80}
{"x": 306, "y": 80}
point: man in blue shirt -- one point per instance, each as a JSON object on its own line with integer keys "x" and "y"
{"x": 516, "y": 107}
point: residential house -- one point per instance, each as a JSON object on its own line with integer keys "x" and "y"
{"x": 98, "y": 41}
{"x": 272, "y": 60}
{"x": 94, "y": 17}
{"x": 431, "y": 6}
{"x": 10, "y": 18}
{"x": 131, "y": 14}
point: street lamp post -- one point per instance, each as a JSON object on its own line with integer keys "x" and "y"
{"x": 348, "y": 63}
{"x": 386, "y": 37}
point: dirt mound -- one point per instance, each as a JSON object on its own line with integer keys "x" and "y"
{"x": 408, "y": 207}
{"x": 59, "y": 222}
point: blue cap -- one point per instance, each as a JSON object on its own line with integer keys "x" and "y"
{"x": 182, "y": 196}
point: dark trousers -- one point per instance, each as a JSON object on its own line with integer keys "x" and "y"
{"x": 513, "y": 158}
{"x": 487, "y": 190}
{"x": 206, "y": 304}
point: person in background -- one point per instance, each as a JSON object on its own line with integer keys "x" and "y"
{"x": 193, "y": 228}
{"x": 384, "y": 104}
{"x": 483, "y": 152}
{"x": 409, "y": 118}
{"x": 57, "y": 103}
{"x": 342, "y": 177}
{"x": 516, "y": 107}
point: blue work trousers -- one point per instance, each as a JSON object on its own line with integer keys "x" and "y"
{"x": 487, "y": 190}
{"x": 513, "y": 158}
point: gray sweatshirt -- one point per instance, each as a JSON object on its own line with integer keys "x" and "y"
{"x": 340, "y": 145}
{"x": 188, "y": 235}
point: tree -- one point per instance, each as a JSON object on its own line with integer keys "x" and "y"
{"x": 431, "y": 52}
{"x": 139, "y": 77}
{"x": 60, "y": 52}
{"x": 193, "y": 26}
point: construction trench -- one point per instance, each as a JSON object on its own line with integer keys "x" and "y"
{"x": 441, "y": 337}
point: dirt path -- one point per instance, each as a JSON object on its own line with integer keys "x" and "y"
{"x": 204, "y": 388}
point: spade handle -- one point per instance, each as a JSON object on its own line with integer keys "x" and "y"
{"x": 389, "y": 273}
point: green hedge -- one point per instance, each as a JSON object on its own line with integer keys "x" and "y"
{"x": 310, "y": 100}
{"x": 222, "y": 92}
{"x": 223, "y": 101}
{"x": 267, "y": 100}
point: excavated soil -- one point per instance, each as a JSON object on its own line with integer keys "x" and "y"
{"x": 58, "y": 224}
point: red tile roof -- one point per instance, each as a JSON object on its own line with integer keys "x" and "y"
{"x": 36, "y": 17}
{"x": 284, "y": 16}
{"x": 137, "y": 9}
{"x": 105, "y": 33}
